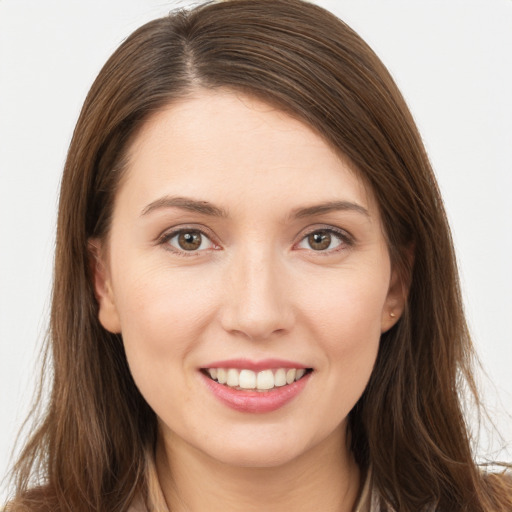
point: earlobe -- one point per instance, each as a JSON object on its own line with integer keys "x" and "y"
{"x": 107, "y": 311}
{"x": 389, "y": 319}
{"x": 395, "y": 302}
{"x": 398, "y": 292}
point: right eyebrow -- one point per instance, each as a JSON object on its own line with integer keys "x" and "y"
{"x": 185, "y": 203}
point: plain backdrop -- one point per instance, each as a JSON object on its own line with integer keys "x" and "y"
{"x": 452, "y": 60}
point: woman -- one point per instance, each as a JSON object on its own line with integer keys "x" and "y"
{"x": 248, "y": 308}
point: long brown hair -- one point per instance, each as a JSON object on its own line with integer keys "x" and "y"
{"x": 89, "y": 450}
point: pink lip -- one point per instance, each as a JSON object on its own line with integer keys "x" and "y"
{"x": 254, "y": 401}
{"x": 255, "y": 366}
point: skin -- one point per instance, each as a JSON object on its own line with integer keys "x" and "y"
{"x": 255, "y": 289}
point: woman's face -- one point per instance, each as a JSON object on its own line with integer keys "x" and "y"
{"x": 243, "y": 248}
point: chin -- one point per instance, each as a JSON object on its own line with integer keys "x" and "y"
{"x": 266, "y": 448}
{"x": 257, "y": 456}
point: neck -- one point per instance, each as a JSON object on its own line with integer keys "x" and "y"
{"x": 325, "y": 478}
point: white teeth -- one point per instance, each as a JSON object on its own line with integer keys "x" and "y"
{"x": 280, "y": 377}
{"x": 265, "y": 379}
{"x": 233, "y": 378}
{"x": 260, "y": 381}
{"x": 247, "y": 379}
{"x": 222, "y": 376}
{"x": 300, "y": 373}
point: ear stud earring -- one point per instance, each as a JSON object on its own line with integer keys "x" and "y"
{"x": 392, "y": 315}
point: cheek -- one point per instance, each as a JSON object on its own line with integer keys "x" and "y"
{"x": 162, "y": 312}
{"x": 163, "y": 315}
{"x": 347, "y": 305}
{"x": 344, "y": 315}
{"x": 350, "y": 336}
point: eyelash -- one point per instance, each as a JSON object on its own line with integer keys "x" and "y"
{"x": 346, "y": 240}
{"x": 168, "y": 236}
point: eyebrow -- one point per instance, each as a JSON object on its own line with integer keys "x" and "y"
{"x": 206, "y": 208}
{"x": 328, "y": 207}
{"x": 185, "y": 203}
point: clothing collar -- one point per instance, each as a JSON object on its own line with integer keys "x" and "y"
{"x": 367, "y": 501}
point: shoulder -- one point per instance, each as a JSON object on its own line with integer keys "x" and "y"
{"x": 138, "y": 506}
{"x": 499, "y": 485}
{"x": 36, "y": 499}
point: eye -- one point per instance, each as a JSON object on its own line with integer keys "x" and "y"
{"x": 323, "y": 240}
{"x": 188, "y": 240}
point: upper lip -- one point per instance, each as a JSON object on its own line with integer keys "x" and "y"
{"x": 256, "y": 366}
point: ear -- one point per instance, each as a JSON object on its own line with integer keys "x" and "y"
{"x": 394, "y": 304}
{"x": 107, "y": 312}
{"x": 398, "y": 292}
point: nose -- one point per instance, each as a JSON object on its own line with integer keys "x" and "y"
{"x": 257, "y": 305}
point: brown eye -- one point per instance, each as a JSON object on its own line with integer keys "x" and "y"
{"x": 323, "y": 240}
{"x": 319, "y": 240}
{"x": 190, "y": 240}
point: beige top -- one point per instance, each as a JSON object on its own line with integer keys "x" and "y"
{"x": 368, "y": 500}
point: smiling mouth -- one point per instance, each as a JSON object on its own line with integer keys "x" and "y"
{"x": 248, "y": 380}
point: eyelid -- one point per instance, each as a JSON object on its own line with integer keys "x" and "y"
{"x": 168, "y": 234}
{"x": 346, "y": 238}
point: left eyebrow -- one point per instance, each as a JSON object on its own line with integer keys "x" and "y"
{"x": 331, "y": 206}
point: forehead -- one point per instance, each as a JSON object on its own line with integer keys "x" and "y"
{"x": 231, "y": 147}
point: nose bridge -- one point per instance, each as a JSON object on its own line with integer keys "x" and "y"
{"x": 257, "y": 303}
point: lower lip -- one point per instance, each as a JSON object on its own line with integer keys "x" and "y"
{"x": 255, "y": 401}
